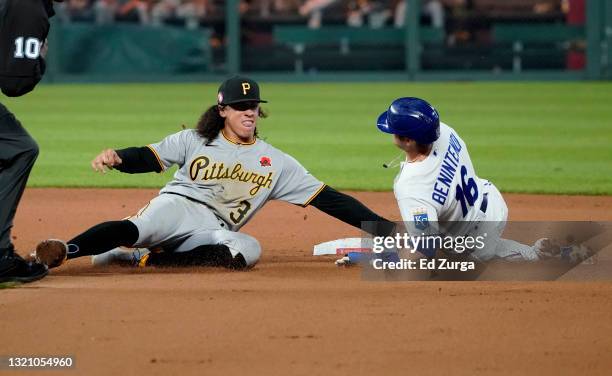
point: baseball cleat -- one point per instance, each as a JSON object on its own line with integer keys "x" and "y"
{"x": 51, "y": 252}
{"x": 122, "y": 256}
{"x": 13, "y": 268}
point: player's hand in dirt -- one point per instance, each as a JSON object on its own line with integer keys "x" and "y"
{"x": 107, "y": 159}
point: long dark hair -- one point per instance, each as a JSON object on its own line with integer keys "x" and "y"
{"x": 211, "y": 123}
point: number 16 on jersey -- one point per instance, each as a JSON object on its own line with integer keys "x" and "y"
{"x": 467, "y": 192}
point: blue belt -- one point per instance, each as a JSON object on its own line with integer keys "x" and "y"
{"x": 484, "y": 203}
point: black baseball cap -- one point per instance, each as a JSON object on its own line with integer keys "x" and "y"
{"x": 238, "y": 89}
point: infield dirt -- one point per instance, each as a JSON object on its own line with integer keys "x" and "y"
{"x": 294, "y": 313}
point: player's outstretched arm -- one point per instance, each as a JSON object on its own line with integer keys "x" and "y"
{"x": 351, "y": 211}
{"x": 132, "y": 160}
{"x": 106, "y": 160}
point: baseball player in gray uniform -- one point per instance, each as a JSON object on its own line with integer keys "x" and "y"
{"x": 226, "y": 174}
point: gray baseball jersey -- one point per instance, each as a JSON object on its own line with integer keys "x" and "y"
{"x": 233, "y": 180}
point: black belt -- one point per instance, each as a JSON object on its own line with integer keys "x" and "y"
{"x": 484, "y": 203}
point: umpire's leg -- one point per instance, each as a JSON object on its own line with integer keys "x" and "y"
{"x": 18, "y": 152}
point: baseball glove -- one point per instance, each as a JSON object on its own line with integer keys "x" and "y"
{"x": 51, "y": 253}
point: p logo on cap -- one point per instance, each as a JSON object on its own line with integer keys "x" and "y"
{"x": 245, "y": 87}
{"x": 238, "y": 89}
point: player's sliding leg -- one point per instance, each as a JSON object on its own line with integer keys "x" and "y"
{"x": 497, "y": 247}
{"x": 164, "y": 223}
{"x": 494, "y": 224}
{"x": 158, "y": 221}
{"x": 204, "y": 255}
{"x": 121, "y": 256}
{"x": 238, "y": 243}
{"x": 511, "y": 250}
{"x": 222, "y": 248}
{"x": 103, "y": 237}
{"x": 98, "y": 239}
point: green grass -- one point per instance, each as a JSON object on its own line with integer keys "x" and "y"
{"x": 525, "y": 137}
{"x": 9, "y": 285}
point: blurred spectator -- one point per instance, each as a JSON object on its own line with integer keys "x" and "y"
{"x": 265, "y": 8}
{"x": 543, "y": 7}
{"x": 75, "y": 10}
{"x": 461, "y": 28}
{"x": 313, "y": 9}
{"x": 188, "y": 11}
{"x": 376, "y": 12}
{"x": 433, "y": 8}
{"x": 280, "y": 7}
{"x": 575, "y": 11}
{"x": 109, "y": 11}
{"x": 245, "y": 6}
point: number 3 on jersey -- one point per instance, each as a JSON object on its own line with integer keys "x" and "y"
{"x": 467, "y": 192}
{"x": 238, "y": 215}
{"x": 28, "y": 48}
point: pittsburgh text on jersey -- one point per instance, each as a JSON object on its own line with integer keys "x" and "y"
{"x": 202, "y": 169}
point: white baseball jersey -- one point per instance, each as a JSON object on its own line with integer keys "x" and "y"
{"x": 442, "y": 188}
{"x": 233, "y": 180}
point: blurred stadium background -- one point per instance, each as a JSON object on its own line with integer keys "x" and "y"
{"x": 186, "y": 40}
{"x": 329, "y": 67}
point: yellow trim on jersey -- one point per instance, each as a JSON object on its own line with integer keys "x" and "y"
{"x": 238, "y": 143}
{"x": 314, "y": 195}
{"x": 142, "y": 210}
{"x": 158, "y": 158}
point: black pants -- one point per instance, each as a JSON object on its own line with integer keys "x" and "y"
{"x": 18, "y": 152}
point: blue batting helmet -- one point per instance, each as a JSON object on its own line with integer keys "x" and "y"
{"x": 413, "y": 118}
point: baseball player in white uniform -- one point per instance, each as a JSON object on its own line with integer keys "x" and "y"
{"x": 225, "y": 175}
{"x": 437, "y": 188}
